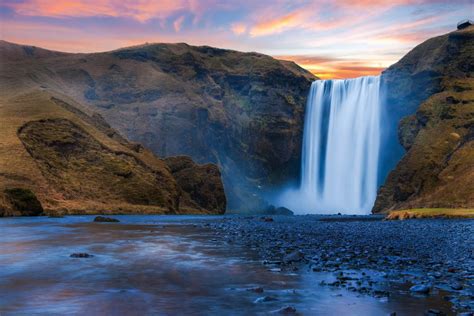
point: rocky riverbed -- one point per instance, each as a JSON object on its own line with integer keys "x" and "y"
{"x": 201, "y": 265}
{"x": 422, "y": 257}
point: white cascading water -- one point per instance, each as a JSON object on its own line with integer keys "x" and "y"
{"x": 341, "y": 145}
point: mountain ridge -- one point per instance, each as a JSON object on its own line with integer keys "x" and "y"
{"x": 203, "y": 102}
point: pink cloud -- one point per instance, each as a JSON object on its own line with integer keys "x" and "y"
{"x": 142, "y": 10}
{"x": 238, "y": 28}
{"x": 178, "y": 23}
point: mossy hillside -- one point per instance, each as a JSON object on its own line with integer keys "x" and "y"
{"x": 197, "y": 191}
{"x": 438, "y": 169}
{"x": 73, "y": 161}
{"x": 80, "y": 167}
{"x": 214, "y": 105}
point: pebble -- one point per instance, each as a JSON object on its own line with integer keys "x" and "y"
{"x": 81, "y": 255}
{"x": 266, "y": 299}
{"x": 417, "y": 252}
{"x": 287, "y": 310}
{"x": 420, "y": 288}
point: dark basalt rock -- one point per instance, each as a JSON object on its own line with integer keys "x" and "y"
{"x": 266, "y": 299}
{"x": 420, "y": 289}
{"x": 256, "y": 289}
{"x": 272, "y": 210}
{"x": 103, "y": 219}
{"x": 287, "y": 310}
{"x": 81, "y": 255}
{"x": 294, "y": 256}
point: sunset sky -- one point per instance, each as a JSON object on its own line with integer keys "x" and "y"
{"x": 332, "y": 39}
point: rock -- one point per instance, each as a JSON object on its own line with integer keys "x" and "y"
{"x": 392, "y": 314}
{"x": 266, "y": 299}
{"x": 420, "y": 289}
{"x": 272, "y": 210}
{"x": 267, "y": 219}
{"x": 283, "y": 211}
{"x": 201, "y": 185}
{"x": 287, "y": 310}
{"x": 294, "y": 256}
{"x": 81, "y": 255}
{"x": 103, "y": 219}
{"x": 380, "y": 293}
{"x": 456, "y": 286}
{"x": 256, "y": 289}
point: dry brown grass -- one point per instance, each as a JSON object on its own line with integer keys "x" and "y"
{"x": 430, "y": 213}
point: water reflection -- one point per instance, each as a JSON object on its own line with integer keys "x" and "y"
{"x": 157, "y": 265}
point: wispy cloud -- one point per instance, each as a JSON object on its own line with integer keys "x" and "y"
{"x": 178, "y": 23}
{"x": 142, "y": 10}
{"x": 359, "y": 36}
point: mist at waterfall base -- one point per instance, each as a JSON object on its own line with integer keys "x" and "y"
{"x": 341, "y": 148}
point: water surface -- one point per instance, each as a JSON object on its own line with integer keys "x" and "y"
{"x": 163, "y": 265}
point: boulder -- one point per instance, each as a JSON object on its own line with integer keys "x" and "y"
{"x": 420, "y": 289}
{"x": 103, "y": 219}
{"x": 81, "y": 255}
{"x": 200, "y": 185}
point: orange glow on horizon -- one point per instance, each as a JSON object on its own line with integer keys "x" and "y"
{"x": 362, "y": 37}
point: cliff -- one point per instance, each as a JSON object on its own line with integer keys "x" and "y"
{"x": 430, "y": 94}
{"x": 58, "y": 157}
{"x": 241, "y": 111}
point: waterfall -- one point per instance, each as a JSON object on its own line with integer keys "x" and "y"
{"x": 341, "y": 145}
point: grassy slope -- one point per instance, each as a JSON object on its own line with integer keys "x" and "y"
{"x": 19, "y": 169}
{"x": 24, "y": 99}
{"x": 431, "y": 213}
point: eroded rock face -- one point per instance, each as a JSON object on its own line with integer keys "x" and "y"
{"x": 20, "y": 202}
{"x": 201, "y": 185}
{"x": 242, "y": 111}
{"x": 430, "y": 92}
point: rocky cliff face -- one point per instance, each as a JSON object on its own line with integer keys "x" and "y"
{"x": 242, "y": 111}
{"x": 58, "y": 157}
{"x": 430, "y": 92}
{"x": 198, "y": 184}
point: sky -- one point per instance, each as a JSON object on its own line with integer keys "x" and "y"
{"x": 330, "y": 38}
